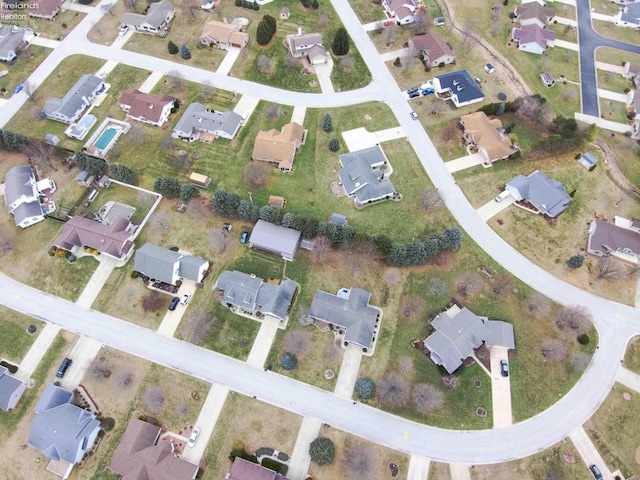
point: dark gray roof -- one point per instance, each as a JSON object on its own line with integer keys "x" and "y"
{"x": 162, "y": 264}
{"x": 197, "y": 118}
{"x": 73, "y": 100}
{"x": 252, "y": 293}
{"x": 499, "y": 334}
{"x": 19, "y": 181}
{"x": 461, "y": 84}
{"x": 11, "y": 36}
{"x": 605, "y": 237}
{"x": 27, "y": 210}
{"x": 360, "y": 177}
{"x": 60, "y": 429}
{"x": 548, "y": 195}
{"x": 190, "y": 267}
{"x": 156, "y": 15}
{"x": 338, "y": 219}
{"x": 274, "y": 238}
{"x": 353, "y": 313}
{"x": 8, "y": 386}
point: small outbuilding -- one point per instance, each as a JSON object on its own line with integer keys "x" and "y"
{"x": 588, "y": 160}
{"x": 547, "y": 79}
{"x": 51, "y": 139}
{"x": 199, "y": 180}
{"x": 338, "y": 219}
{"x": 276, "y": 201}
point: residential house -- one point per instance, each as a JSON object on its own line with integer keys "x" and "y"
{"x": 620, "y": 239}
{"x": 142, "y": 455}
{"x": 22, "y": 196}
{"x": 459, "y": 87}
{"x": 69, "y": 108}
{"x": 534, "y": 14}
{"x": 11, "y": 390}
{"x": 13, "y": 40}
{"x": 364, "y": 175}
{"x": 625, "y": 2}
{"x": 432, "y": 49}
{"x": 628, "y": 16}
{"x": 199, "y": 123}
{"x": 275, "y": 239}
{"x": 486, "y": 136}
{"x": 145, "y": 107}
{"x": 224, "y": 35}
{"x": 635, "y": 129}
{"x": 279, "y": 147}
{"x": 350, "y": 310}
{"x": 245, "y": 470}
{"x": 533, "y": 38}
{"x": 62, "y": 431}
{"x": 547, "y": 196}
{"x": 156, "y": 20}
{"x": 632, "y": 72}
{"x": 459, "y": 332}
{"x": 309, "y": 45}
{"x": 115, "y": 240}
{"x": 250, "y": 295}
{"x": 633, "y": 103}
{"x": 166, "y": 266}
{"x": 402, "y": 11}
{"x": 46, "y": 9}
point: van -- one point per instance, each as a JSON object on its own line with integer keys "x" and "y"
{"x": 596, "y": 472}
{"x": 502, "y": 196}
{"x": 93, "y": 195}
{"x": 438, "y": 21}
{"x": 64, "y": 366}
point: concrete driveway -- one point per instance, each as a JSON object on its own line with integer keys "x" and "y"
{"x": 628, "y": 378}
{"x": 83, "y": 353}
{"x": 172, "y": 319}
{"x": 300, "y": 459}
{"x": 459, "y": 471}
{"x": 360, "y": 138}
{"x": 348, "y": 372}
{"x": 323, "y": 72}
{"x": 298, "y": 115}
{"x": 493, "y": 208}
{"x": 98, "y": 279}
{"x": 229, "y": 59}
{"x": 462, "y": 163}
{"x": 500, "y": 389}
{"x": 38, "y": 349}
{"x": 151, "y": 82}
{"x": 588, "y": 451}
{"x": 264, "y": 339}
{"x": 245, "y": 106}
{"x": 418, "y": 468}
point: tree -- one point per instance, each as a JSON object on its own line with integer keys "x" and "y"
{"x": 206, "y": 89}
{"x": 365, "y": 388}
{"x": 322, "y": 451}
{"x": 391, "y": 276}
{"x": 122, "y": 173}
{"x": 265, "y": 64}
{"x": 98, "y": 370}
{"x": 575, "y": 261}
{"x": 334, "y": 145}
{"x": 390, "y": 33}
{"x": 40, "y": 155}
{"x": 470, "y": 284}
{"x": 185, "y": 53}
{"x": 412, "y": 307}
{"x": 398, "y": 255}
{"x": 539, "y": 305}
{"x": 288, "y": 219}
{"x": 247, "y": 211}
{"x": 29, "y": 88}
{"x": 172, "y": 48}
{"x": 437, "y": 287}
{"x": 154, "y": 399}
{"x": 426, "y": 398}
{"x": 430, "y": 199}
{"x": 175, "y": 80}
{"x": 315, "y": 5}
{"x": 271, "y": 215}
{"x": 502, "y": 282}
{"x": 255, "y": 174}
{"x": 340, "y": 45}
{"x": 360, "y": 461}
{"x": 452, "y": 237}
{"x": 321, "y": 249}
{"x": 266, "y": 30}
{"x": 197, "y": 326}
{"x": 94, "y": 166}
{"x": 131, "y": 5}
{"x": 12, "y": 141}
{"x": 397, "y": 62}
{"x": 225, "y": 204}
{"x": 405, "y": 366}
{"x": 554, "y": 348}
{"x": 393, "y": 391}
{"x": 218, "y": 241}
{"x": 153, "y": 301}
{"x": 409, "y": 58}
{"x": 187, "y": 192}
{"x": 273, "y": 112}
{"x": 576, "y": 318}
{"x": 6, "y": 240}
{"x": 450, "y": 132}
{"x": 607, "y": 269}
{"x": 122, "y": 379}
{"x": 469, "y": 40}
{"x": 108, "y": 8}
{"x": 347, "y": 63}
{"x": 288, "y": 361}
{"x": 327, "y": 123}
{"x": 297, "y": 342}
{"x": 169, "y": 187}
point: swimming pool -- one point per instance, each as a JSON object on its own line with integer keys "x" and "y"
{"x": 106, "y": 137}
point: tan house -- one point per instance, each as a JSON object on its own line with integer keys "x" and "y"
{"x": 279, "y": 147}
{"x": 534, "y": 14}
{"x": 145, "y": 107}
{"x": 432, "y": 49}
{"x": 224, "y": 35}
{"x": 486, "y": 136}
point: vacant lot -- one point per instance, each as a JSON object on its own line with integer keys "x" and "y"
{"x": 632, "y": 357}
{"x": 15, "y": 340}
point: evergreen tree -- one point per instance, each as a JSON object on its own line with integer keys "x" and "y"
{"x": 247, "y": 211}
{"x": 327, "y": 123}
{"x": 95, "y": 166}
{"x": 288, "y": 219}
{"x": 417, "y": 254}
{"x": 575, "y": 261}
{"x": 322, "y": 451}
{"x": 365, "y": 388}
{"x": 266, "y": 30}
{"x": 334, "y": 145}
{"x": 269, "y": 20}
{"x": 397, "y": 62}
{"x": 453, "y": 238}
{"x": 169, "y": 187}
{"x": 315, "y": 5}
{"x": 12, "y": 141}
{"x": 340, "y": 45}
{"x": 122, "y": 173}
{"x": 187, "y": 191}
{"x": 289, "y": 361}
{"x": 225, "y": 204}
{"x": 431, "y": 247}
{"x": 185, "y": 53}
{"x": 397, "y": 255}
{"x": 172, "y": 47}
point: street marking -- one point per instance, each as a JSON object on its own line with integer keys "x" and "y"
{"x": 406, "y": 435}
{"x": 618, "y": 315}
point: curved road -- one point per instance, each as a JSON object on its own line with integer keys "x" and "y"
{"x": 616, "y": 323}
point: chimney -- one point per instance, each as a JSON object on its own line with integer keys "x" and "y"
{"x": 299, "y": 30}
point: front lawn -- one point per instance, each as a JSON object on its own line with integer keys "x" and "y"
{"x": 64, "y": 23}
{"x": 632, "y": 357}
{"x": 15, "y": 340}
{"x": 23, "y": 67}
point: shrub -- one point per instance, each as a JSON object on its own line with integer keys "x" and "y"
{"x": 575, "y": 261}
{"x": 122, "y": 173}
{"x": 172, "y": 47}
{"x": 322, "y": 451}
{"x": 266, "y": 30}
{"x": 71, "y": 258}
{"x": 134, "y": 274}
{"x": 271, "y": 464}
{"x": 289, "y": 361}
{"x": 334, "y": 145}
{"x": 187, "y": 192}
{"x": 365, "y": 388}
{"x": 327, "y": 123}
{"x": 108, "y": 423}
{"x": 185, "y": 53}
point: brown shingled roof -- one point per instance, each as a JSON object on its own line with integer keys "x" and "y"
{"x": 145, "y": 104}
{"x": 111, "y": 239}
{"x": 274, "y": 146}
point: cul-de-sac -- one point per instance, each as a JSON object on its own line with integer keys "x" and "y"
{"x": 320, "y": 239}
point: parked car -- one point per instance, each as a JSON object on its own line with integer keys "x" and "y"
{"x": 504, "y": 368}
{"x": 243, "y": 237}
{"x": 123, "y": 30}
{"x": 596, "y": 472}
{"x": 501, "y": 196}
{"x": 414, "y": 94}
{"x": 414, "y": 115}
{"x": 174, "y": 303}
{"x": 185, "y": 298}
{"x": 428, "y": 91}
{"x": 64, "y": 366}
{"x": 438, "y": 21}
{"x": 412, "y": 90}
{"x": 194, "y": 436}
{"x": 489, "y": 68}
{"x": 18, "y": 88}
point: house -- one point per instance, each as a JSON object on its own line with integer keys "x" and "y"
{"x": 80, "y": 129}
{"x": 166, "y": 266}
{"x": 284, "y": 13}
{"x": 279, "y": 147}
{"x": 62, "y": 431}
{"x": 22, "y": 196}
{"x": 632, "y": 72}
{"x": 486, "y": 136}
{"x": 533, "y": 38}
{"x": 46, "y": 9}
{"x": 11, "y": 390}
{"x": 363, "y": 175}
{"x": 348, "y": 309}
{"x": 432, "y": 49}
{"x": 620, "y": 239}
{"x": 141, "y": 454}
{"x": 224, "y": 35}
{"x": 309, "y": 45}
{"x": 245, "y": 470}
{"x": 199, "y": 123}
{"x": 628, "y": 16}
{"x": 402, "y": 11}
{"x": 534, "y": 14}
{"x": 460, "y": 88}
{"x": 115, "y": 240}
{"x": 69, "y": 108}
{"x": 249, "y": 295}
{"x": 547, "y": 196}
{"x": 635, "y": 129}
{"x": 633, "y": 102}
{"x": 156, "y": 20}
{"x": 145, "y": 107}
{"x": 272, "y": 238}
{"x": 459, "y": 332}
{"x": 13, "y": 40}
{"x": 276, "y": 201}
{"x": 547, "y": 79}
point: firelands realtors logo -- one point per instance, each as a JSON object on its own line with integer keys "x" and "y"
{"x": 4, "y": 6}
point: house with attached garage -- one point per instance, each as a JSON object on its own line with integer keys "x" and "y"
{"x": 156, "y": 20}
{"x": 402, "y": 11}
{"x": 459, "y": 87}
{"x": 364, "y": 176}
{"x": 166, "y": 266}
{"x": 11, "y": 390}
{"x": 114, "y": 239}
{"x": 534, "y": 14}
{"x": 486, "y": 136}
{"x": 62, "y": 431}
{"x": 199, "y": 123}
{"x": 632, "y": 72}
{"x": 245, "y": 470}
{"x": 146, "y": 107}
{"x": 533, "y": 38}
{"x": 431, "y": 49}
{"x": 46, "y": 9}
{"x": 542, "y": 194}
{"x": 23, "y": 193}
{"x": 620, "y": 239}
{"x": 275, "y": 239}
{"x": 309, "y": 45}
{"x": 13, "y": 40}
{"x": 69, "y": 108}
{"x": 279, "y": 147}
{"x": 628, "y": 16}
{"x": 249, "y": 295}
{"x": 224, "y": 35}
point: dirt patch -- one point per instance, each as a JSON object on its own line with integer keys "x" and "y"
{"x": 616, "y": 174}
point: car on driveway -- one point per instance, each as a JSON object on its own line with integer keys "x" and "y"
{"x": 123, "y": 30}
{"x": 174, "y": 303}
{"x": 504, "y": 368}
{"x": 243, "y": 237}
{"x": 414, "y": 115}
{"x": 18, "y": 88}
{"x": 596, "y": 472}
{"x": 64, "y": 366}
{"x": 413, "y": 90}
{"x": 194, "y": 436}
{"x": 185, "y": 298}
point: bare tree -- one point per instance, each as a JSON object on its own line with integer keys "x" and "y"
{"x": 291, "y": 61}
{"x": 580, "y": 361}
{"x": 321, "y": 249}
{"x": 607, "y": 269}
{"x": 122, "y": 379}
{"x": 391, "y": 276}
{"x": 297, "y": 342}
{"x": 393, "y": 391}
{"x": 40, "y": 155}
{"x": 348, "y": 63}
{"x": 427, "y": 398}
{"x": 175, "y": 81}
{"x": 360, "y": 460}
{"x": 544, "y": 61}
{"x": 502, "y": 282}
{"x": 255, "y": 174}
{"x": 29, "y": 88}
{"x": 167, "y": 143}
{"x": 576, "y": 318}
{"x": 421, "y": 21}
{"x": 450, "y": 132}
{"x": 430, "y": 199}
{"x": 182, "y": 409}
{"x": 265, "y": 64}
{"x": 131, "y": 5}
{"x": 405, "y": 367}
{"x": 469, "y": 41}
{"x": 273, "y": 112}
{"x": 323, "y": 22}
{"x": 554, "y": 348}
{"x": 412, "y": 307}
{"x": 302, "y": 315}
{"x": 470, "y": 284}
{"x": 495, "y": 11}
{"x": 532, "y": 108}
{"x": 190, "y": 8}
{"x": 219, "y": 241}
{"x": 153, "y": 301}
{"x": 6, "y": 240}
{"x": 108, "y": 8}
{"x": 496, "y": 28}
{"x": 390, "y": 33}
{"x": 437, "y": 287}
{"x": 409, "y": 58}
{"x": 154, "y": 399}
{"x": 98, "y": 370}
{"x": 207, "y": 90}
{"x": 570, "y": 93}
{"x": 198, "y": 325}
{"x": 539, "y": 305}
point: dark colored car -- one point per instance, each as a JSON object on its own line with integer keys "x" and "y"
{"x": 174, "y": 303}
{"x": 413, "y": 90}
{"x": 596, "y": 472}
{"x": 504, "y": 368}
{"x": 243, "y": 237}
{"x": 66, "y": 363}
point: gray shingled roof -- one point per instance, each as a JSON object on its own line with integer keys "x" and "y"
{"x": 73, "y": 100}
{"x": 197, "y": 118}
{"x": 190, "y": 267}
{"x": 155, "y": 16}
{"x": 300, "y": 43}
{"x": 353, "y": 313}
{"x": 11, "y": 37}
{"x": 548, "y": 195}
{"x": 8, "y": 386}
{"x": 360, "y": 178}
{"x": 19, "y": 180}
{"x": 275, "y": 238}
{"x": 159, "y": 263}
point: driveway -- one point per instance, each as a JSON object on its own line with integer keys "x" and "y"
{"x": 323, "y": 72}
{"x": 83, "y": 353}
{"x": 264, "y": 339}
{"x": 462, "y": 163}
{"x": 389, "y": 56}
{"x": 106, "y": 264}
{"x": 245, "y": 106}
{"x": 360, "y": 138}
{"x": 229, "y": 59}
{"x": 500, "y": 389}
{"x": 300, "y": 459}
{"x": 348, "y": 372}
{"x": 493, "y": 208}
{"x": 151, "y": 82}
{"x": 172, "y": 319}
{"x": 298, "y": 115}
{"x": 615, "y": 96}
{"x": 418, "y": 468}
{"x": 628, "y": 378}
{"x": 38, "y": 349}
{"x": 459, "y": 471}
{"x": 588, "y": 451}
{"x": 45, "y": 42}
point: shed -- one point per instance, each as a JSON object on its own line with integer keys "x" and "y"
{"x": 547, "y": 79}
{"x": 276, "y": 202}
{"x": 84, "y": 178}
{"x": 51, "y": 139}
{"x": 588, "y": 160}
{"x": 199, "y": 180}
{"x": 284, "y": 13}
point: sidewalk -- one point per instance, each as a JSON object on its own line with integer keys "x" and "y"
{"x": 151, "y": 82}
{"x": 628, "y": 378}
{"x": 349, "y": 369}
{"x": 418, "y": 468}
{"x": 500, "y": 389}
{"x": 459, "y": 471}
{"x": 323, "y": 72}
{"x": 300, "y": 459}
{"x": 45, "y": 42}
{"x": 33, "y": 357}
{"x": 262, "y": 343}
{"x": 465, "y": 162}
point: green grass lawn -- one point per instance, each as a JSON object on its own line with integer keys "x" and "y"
{"x": 615, "y": 56}
{"x": 611, "y": 30}
{"x": 632, "y": 357}
{"x": 64, "y": 23}
{"x": 613, "y": 110}
{"x": 613, "y": 81}
{"x": 23, "y": 67}
{"x": 627, "y": 153}
{"x": 367, "y": 11}
{"x": 15, "y": 341}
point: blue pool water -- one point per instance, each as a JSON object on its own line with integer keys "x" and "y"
{"x": 106, "y": 138}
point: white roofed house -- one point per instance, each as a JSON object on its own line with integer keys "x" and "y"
{"x": 199, "y": 123}
{"x": 156, "y": 20}
{"x": 628, "y": 16}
